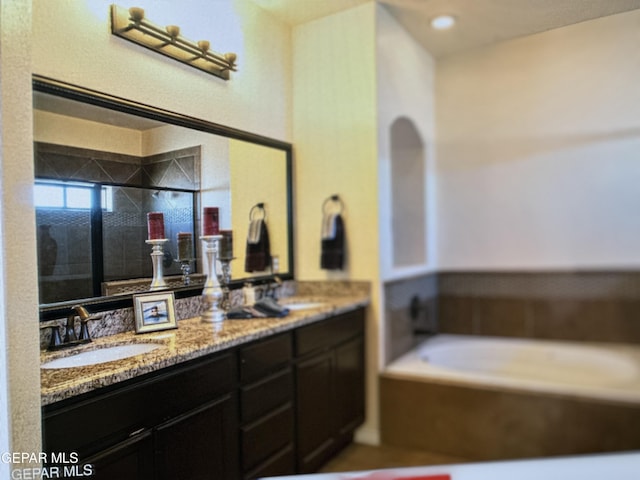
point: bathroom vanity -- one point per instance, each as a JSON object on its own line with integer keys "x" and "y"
{"x": 242, "y": 399}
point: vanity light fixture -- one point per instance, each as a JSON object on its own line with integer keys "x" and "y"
{"x": 443, "y": 22}
{"x": 132, "y": 25}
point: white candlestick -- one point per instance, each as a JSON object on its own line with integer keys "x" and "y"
{"x": 212, "y": 293}
{"x": 157, "y": 256}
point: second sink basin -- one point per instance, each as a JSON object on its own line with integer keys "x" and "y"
{"x": 303, "y": 305}
{"x": 101, "y": 355}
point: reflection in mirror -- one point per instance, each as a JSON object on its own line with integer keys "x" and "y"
{"x": 90, "y": 235}
{"x": 249, "y": 189}
{"x": 99, "y": 171}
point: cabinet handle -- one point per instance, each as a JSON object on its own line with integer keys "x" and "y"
{"x": 136, "y": 432}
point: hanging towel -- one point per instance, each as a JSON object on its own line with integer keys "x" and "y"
{"x": 258, "y": 256}
{"x": 333, "y": 242}
{"x": 329, "y": 226}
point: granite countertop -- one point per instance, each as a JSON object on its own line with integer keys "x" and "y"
{"x": 192, "y": 339}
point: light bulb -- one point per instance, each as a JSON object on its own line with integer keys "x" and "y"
{"x": 443, "y": 22}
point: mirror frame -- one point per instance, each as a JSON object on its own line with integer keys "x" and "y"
{"x": 81, "y": 94}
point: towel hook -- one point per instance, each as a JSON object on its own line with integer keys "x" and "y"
{"x": 257, "y": 207}
{"x": 334, "y": 199}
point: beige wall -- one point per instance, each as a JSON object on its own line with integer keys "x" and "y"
{"x": 19, "y": 345}
{"x": 335, "y": 152}
{"x": 73, "y": 43}
{"x": 74, "y": 132}
{"x": 538, "y": 142}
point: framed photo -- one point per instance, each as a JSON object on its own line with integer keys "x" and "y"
{"x": 154, "y": 311}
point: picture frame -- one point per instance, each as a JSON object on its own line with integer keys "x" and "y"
{"x": 154, "y": 312}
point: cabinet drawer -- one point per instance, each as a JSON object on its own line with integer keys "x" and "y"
{"x": 90, "y": 424}
{"x": 279, "y": 464}
{"x": 266, "y": 436}
{"x": 328, "y": 333}
{"x": 266, "y": 395}
{"x": 260, "y": 358}
{"x": 190, "y": 386}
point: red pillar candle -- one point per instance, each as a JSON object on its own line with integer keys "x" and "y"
{"x": 155, "y": 224}
{"x": 185, "y": 246}
{"x": 210, "y": 221}
{"x": 225, "y": 250}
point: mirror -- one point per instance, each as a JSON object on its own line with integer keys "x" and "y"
{"x": 102, "y": 163}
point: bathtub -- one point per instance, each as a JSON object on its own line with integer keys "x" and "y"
{"x": 490, "y": 398}
{"x": 609, "y": 372}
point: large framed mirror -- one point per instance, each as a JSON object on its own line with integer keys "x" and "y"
{"x": 102, "y": 163}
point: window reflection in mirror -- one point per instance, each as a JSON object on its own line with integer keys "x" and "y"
{"x": 74, "y": 260}
{"x": 63, "y": 217}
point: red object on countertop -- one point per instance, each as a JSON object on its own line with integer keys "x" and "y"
{"x": 210, "y": 225}
{"x": 394, "y": 476}
{"x": 155, "y": 225}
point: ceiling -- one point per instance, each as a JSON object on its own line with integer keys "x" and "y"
{"x": 70, "y": 108}
{"x": 480, "y": 22}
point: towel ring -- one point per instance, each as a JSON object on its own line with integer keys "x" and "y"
{"x": 335, "y": 199}
{"x": 258, "y": 207}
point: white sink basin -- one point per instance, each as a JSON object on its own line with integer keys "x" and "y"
{"x": 101, "y": 355}
{"x": 303, "y": 305}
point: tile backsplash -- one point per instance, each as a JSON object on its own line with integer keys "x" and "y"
{"x": 123, "y": 320}
{"x": 580, "y": 306}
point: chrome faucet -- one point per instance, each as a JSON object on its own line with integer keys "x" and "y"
{"x": 70, "y": 337}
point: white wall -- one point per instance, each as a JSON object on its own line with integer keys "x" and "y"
{"x": 336, "y": 153}
{"x": 405, "y": 85}
{"x": 537, "y": 156}
{"x": 19, "y": 339}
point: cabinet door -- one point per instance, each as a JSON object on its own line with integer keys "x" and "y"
{"x": 350, "y": 388}
{"x": 316, "y": 422}
{"x": 128, "y": 460}
{"x": 202, "y": 444}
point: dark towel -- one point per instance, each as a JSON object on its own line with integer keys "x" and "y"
{"x": 267, "y": 307}
{"x": 333, "y": 242}
{"x": 258, "y": 256}
{"x": 271, "y": 308}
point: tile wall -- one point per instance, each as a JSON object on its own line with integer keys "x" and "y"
{"x": 580, "y": 306}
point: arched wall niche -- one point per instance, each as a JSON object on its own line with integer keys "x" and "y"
{"x": 408, "y": 195}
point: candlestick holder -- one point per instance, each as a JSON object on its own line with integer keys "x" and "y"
{"x": 225, "y": 278}
{"x": 212, "y": 293}
{"x": 157, "y": 255}
{"x": 185, "y": 268}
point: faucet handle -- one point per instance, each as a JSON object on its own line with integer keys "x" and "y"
{"x": 55, "y": 341}
{"x": 70, "y": 329}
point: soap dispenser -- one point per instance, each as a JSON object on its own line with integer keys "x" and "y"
{"x": 249, "y": 293}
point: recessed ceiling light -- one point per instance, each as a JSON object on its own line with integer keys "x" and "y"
{"x": 443, "y": 22}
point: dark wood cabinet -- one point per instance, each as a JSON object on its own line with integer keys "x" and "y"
{"x": 171, "y": 424}
{"x": 267, "y": 407}
{"x": 280, "y": 405}
{"x": 316, "y": 401}
{"x": 199, "y": 445}
{"x": 131, "y": 459}
{"x": 330, "y": 387}
{"x": 350, "y": 388}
